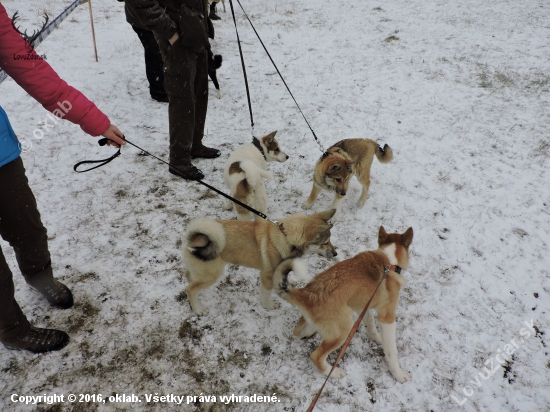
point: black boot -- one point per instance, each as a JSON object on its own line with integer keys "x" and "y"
{"x": 55, "y": 292}
{"x": 40, "y": 340}
{"x": 160, "y": 97}
{"x": 204, "y": 152}
{"x": 213, "y": 15}
{"x": 187, "y": 171}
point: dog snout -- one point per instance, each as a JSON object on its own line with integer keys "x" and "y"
{"x": 287, "y": 157}
{"x": 342, "y": 192}
{"x": 334, "y": 253}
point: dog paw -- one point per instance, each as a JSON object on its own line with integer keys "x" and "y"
{"x": 337, "y": 373}
{"x": 304, "y": 332}
{"x": 401, "y": 376}
{"x": 375, "y": 338}
{"x": 218, "y": 94}
{"x": 200, "y": 310}
{"x": 306, "y": 205}
{"x": 272, "y": 305}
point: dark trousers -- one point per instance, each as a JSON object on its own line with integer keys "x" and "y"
{"x": 186, "y": 82}
{"x": 187, "y": 110}
{"x": 153, "y": 62}
{"x": 21, "y": 227}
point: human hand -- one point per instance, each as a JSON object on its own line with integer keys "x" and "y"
{"x": 174, "y": 38}
{"x": 114, "y": 136}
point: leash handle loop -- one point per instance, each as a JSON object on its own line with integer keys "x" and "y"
{"x": 102, "y": 162}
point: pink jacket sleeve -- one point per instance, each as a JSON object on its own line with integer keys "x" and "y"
{"x": 42, "y": 82}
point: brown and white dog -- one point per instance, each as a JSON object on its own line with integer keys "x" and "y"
{"x": 244, "y": 171}
{"x": 209, "y": 245}
{"x": 328, "y": 301}
{"x": 339, "y": 163}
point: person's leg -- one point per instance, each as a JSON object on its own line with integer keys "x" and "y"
{"x": 179, "y": 75}
{"x": 212, "y": 15}
{"x": 153, "y": 63}
{"x": 13, "y": 323}
{"x": 22, "y": 228}
{"x": 201, "y": 106}
{"x": 180, "y": 69}
{"x": 181, "y": 119}
{"x": 19, "y": 218}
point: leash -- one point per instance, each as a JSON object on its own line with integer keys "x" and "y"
{"x": 394, "y": 268}
{"x": 103, "y": 162}
{"x": 244, "y": 69}
{"x": 276, "y": 68}
{"x": 101, "y": 142}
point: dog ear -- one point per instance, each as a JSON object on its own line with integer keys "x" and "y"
{"x": 270, "y": 137}
{"x": 382, "y": 235}
{"x": 407, "y": 237}
{"x": 323, "y": 231}
{"x": 326, "y": 215}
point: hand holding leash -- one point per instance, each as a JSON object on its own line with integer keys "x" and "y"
{"x": 114, "y": 137}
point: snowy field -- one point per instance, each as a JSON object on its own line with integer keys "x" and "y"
{"x": 460, "y": 91}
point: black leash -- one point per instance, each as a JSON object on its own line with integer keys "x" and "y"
{"x": 276, "y": 68}
{"x": 244, "y": 69}
{"x": 103, "y": 142}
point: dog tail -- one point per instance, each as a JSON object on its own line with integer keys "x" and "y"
{"x": 254, "y": 173}
{"x": 280, "y": 276}
{"x": 384, "y": 155}
{"x": 204, "y": 239}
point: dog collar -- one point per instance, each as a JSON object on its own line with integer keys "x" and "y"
{"x": 393, "y": 268}
{"x": 256, "y": 143}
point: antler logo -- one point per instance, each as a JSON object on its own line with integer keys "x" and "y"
{"x": 32, "y": 38}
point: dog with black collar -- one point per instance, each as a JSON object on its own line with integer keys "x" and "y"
{"x": 328, "y": 301}
{"x": 244, "y": 171}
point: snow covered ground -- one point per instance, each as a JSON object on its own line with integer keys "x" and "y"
{"x": 460, "y": 91}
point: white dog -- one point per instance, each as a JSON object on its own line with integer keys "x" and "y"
{"x": 244, "y": 171}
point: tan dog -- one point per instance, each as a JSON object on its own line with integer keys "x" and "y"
{"x": 328, "y": 301}
{"x": 339, "y": 163}
{"x": 209, "y": 245}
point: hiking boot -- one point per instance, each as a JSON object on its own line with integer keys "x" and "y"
{"x": 212, "y": 15}
{"x": 40, "y": 340}
{"x": 161, "y": 98}
{"x": 204, "y": 152}
{"x": 187, "y": 171}
{"x": 56, "y": 293}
